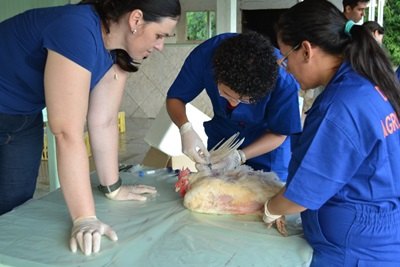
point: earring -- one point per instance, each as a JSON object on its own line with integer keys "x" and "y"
{"x": 133, "y": 31}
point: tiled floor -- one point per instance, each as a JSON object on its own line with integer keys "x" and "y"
{"x": 132, "y": 149}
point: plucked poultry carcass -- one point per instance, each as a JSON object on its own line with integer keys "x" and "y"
{"x": 238, "y": 191}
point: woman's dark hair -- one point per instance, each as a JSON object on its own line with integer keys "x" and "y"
{"x": 373, "y": 26}
{"x": 322, "y": 24}
{"x": 153, "y": 11}
{"x": 247, "y": 64}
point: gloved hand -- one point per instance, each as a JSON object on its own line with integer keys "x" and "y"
{"x": 205, "y": 168}
{"x": 233, "y": 160}
{"x": 86, "y": 232}
{"x": 278, "y": 220}
{"x": 192, "y": 146}
{"x": 131, "y": 192}
{"x": 268, "y": 218}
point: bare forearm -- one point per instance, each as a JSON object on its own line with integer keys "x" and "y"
{"x": 280, "y": 205}
{"x": 177, "y": 111}
{"x": 66, "y": 90}
{"x": 73, "y": 169}
{"x": 104, "y": 144}
{"x": 103, "y": 126}
{"x": 264, "y": 144}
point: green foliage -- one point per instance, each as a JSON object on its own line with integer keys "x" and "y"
{"x": 392, "y": 29}
{"x": 200, "y": 25}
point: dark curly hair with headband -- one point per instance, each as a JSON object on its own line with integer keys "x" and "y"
{"x": 247, "y": 64}
{"x": 322, "y": 24}
{"x": 153, "y": 11}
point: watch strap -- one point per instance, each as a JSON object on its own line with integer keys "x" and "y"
{"x": 110, "y": 188}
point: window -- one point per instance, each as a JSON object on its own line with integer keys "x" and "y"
{"x": 200, "y": 25}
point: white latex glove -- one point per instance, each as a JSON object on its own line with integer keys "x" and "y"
{"x": 205, "y": 168}
{"x": 268, "y": 218}
{"x": 86, "y": 232}
{"x": 192, "y": 146}
{"x": 278, "y": 220}
{"x": 131, "y": 192}
{"x": 233, "y": 160}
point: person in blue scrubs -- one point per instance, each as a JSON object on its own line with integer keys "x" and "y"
{"x": 75, "y": 60}
{"x": 345, "y": 168}
{"x": 250, "y": 95}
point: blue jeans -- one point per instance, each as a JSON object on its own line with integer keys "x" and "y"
{"x": 21, "y": 144}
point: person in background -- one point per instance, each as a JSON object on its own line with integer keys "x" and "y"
{"x": 398, "y": 73}
{"x": 75, "y": 60}
{"x": 376, "y": 30}
{"x": 344, "y": 171}
{"x": 354, "y": 9}
{"x": 249, "y": 93}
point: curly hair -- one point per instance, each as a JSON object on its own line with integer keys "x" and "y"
{"x": 247, "y": 64}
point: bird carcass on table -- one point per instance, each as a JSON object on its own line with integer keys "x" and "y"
{"x": 238, "y": 191}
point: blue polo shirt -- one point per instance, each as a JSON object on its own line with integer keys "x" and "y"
{"x": 277, "y": 112}
{"x": 73, "y": 31}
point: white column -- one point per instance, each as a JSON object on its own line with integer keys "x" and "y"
{"x": 381, "y": 5}
{"x": 226, "y": 16}
{"x": 371, "y": 13}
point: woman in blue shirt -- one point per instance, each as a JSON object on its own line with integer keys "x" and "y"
{"x": 75, "y": 60}
{"x": 249, "y": 95}
{"x": 344, "y": 172}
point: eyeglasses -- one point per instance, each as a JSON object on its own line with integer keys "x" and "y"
{"x": 234, "y": 100}
{"x": 283, "y": 61}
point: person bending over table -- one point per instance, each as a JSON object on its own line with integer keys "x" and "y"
{"x": 250, "y": 94}
{"x": 75, "y": 60}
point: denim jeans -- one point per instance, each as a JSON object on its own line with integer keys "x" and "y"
{"x": 21, "y": 144}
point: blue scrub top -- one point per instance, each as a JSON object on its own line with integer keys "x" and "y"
{"x": 350, "y": 147}
{"x": 277, "y": 112}
{"x": 73, "y": 31}
{"x": 345, "y": 170}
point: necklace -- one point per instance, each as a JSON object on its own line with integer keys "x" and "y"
{"x": 115, "y": 73}
{"x": 111, "y": 53}
{"x": 112, "y": 56}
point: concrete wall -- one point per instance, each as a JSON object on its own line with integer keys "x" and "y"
{"x": 9, "y": 8}
{"x": 146, "y": 89}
